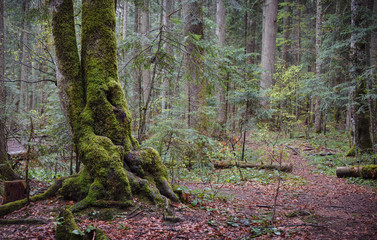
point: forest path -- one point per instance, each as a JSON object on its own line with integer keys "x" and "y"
{"x": 310, "y": 205}
{"x": 323, "y": 207}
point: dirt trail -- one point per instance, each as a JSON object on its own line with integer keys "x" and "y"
{"x": 325, "y": 207}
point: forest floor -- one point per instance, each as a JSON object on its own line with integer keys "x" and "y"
{"x": 309, "y": 205}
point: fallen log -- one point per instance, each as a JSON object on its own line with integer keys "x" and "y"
{"x": 230, "y": 164}
{"x": 366, "y": 172}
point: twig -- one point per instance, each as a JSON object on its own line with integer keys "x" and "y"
{"x": 293, "y": 149}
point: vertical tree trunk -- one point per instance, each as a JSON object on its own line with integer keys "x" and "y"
{"x": 125, "y": 13}
{"x": 221, "y": 35}
{"x": 167, "y": 10}
{"x": 373, "y": 80}
{"x": 144, "y": 30}
{"x": 270, "y": 8}
{"x": 6, "y": 172}
{"x": 23, "y": 58}
{"x": 98, "y": 113}
{"x": 193, "y": 64}
{"x": 318, "y": 33}
{"x": 286, "y": 33}
{"x": 360, "y": 122}
{"x": 297, "y": 33}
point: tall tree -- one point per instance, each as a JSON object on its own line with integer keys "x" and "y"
{"x": 167, "y": 11}
{"x": 23, "y": 73}
{"x": 360, "y": 123}
{"x": 286, "y": 33}
{"x": 193, "y": 63}
{"x": 318, "y": 35}
{"x": 221, "y": 35}
{"x": 270, "y": 10}
{"x": 6, "y": 172}
{"x": 98, "y": 113}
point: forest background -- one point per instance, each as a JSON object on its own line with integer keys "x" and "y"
{"x": 203, "y": 77}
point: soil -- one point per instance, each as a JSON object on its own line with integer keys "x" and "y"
{"x": 325, "y": 207}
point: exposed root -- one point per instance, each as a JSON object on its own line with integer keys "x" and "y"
{"x": 67, "y": 229}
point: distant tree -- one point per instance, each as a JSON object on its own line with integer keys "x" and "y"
{"x": 6, "y": 172}
{"x": 318, "y": 67}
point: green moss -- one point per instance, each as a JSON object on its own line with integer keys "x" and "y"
{"x": 369, "y": 172}
{"x": 65, "y": 229}
{"x": 351, "y": 152}
{"x": 76, "y": 188}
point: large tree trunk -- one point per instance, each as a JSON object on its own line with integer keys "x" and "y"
{"x": 270, "y": 10}
{"x": 373, "y": 80}
{"x": 98, "y": 112}
{"x": 360, "y": 122}
{"x": 193, "y": 64}
{"x": 318, "y": 33}
{"x": 221, "y": 34}
{"x": 6, "y": 172}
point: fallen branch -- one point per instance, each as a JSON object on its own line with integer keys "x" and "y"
{"x": 230, "y": 164}
{"x": 296, "y": 151}
{"x": 322, "y": 154}
{"x": 22, "y": 221}
{"x": 366, "y": 172}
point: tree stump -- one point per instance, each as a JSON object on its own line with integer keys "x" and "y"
{"x": 14, "y": 190}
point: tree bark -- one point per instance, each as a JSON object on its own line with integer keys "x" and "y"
{"x": 6, "y": 172}
{"x": 193, "y": 64}
{"x": 297, "y": 33}
{"x": 360, "y": 122}
{"x": 166, "y": 81}
{"x": 373, "y": 80}
{"x": 318, "y": 34}
{"x": 23, "y": 56}
{"x": 270, "y": 9}
{"x": 98, "y": 113}
{"x": 286, "y": 33}
{"x": 221, "y": 35}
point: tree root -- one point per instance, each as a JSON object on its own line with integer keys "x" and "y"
{"x": 67, "y": 229}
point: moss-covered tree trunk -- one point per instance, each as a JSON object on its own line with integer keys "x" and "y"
{"x": 97, "y": 112}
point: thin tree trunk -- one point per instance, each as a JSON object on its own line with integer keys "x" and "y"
{"x": 286, "y": 33}
{"x": 297, "y": 33}
{"x": 318, "y": 42}
{"x": 23, "y": 57}
{"x": 167, "y": 10}
{"x": 221, "y": 35}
